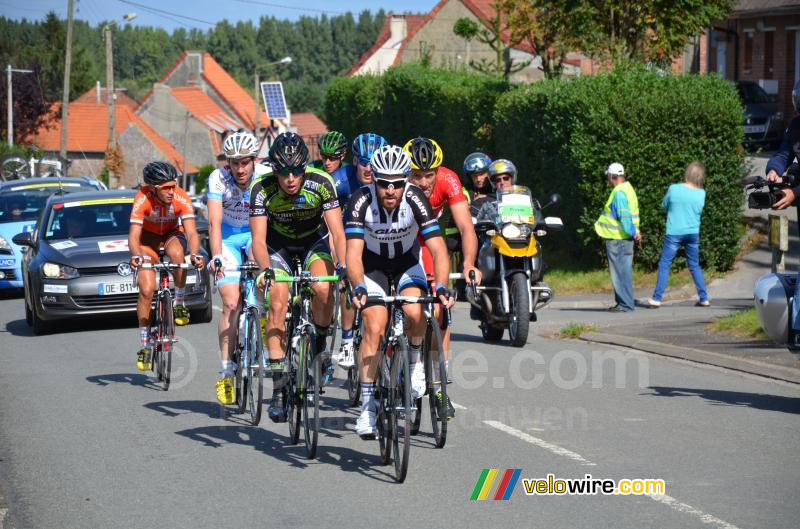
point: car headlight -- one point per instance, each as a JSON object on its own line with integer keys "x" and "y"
{"x": 4, "y": 246}
{"x": 513, "y": 232}
{"x": 57, "y": 271}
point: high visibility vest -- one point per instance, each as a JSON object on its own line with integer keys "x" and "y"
{"x": 607, "y": 226}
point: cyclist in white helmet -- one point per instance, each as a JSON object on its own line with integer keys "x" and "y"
{"x": 229, "y": 230}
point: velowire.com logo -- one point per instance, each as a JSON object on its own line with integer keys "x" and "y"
{"x": 496, "y": 484}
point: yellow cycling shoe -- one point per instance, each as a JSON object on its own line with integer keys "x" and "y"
{"x": 143, "y": 360}
{"x": 181, "y": 314}
{"x": 225, "y": 391}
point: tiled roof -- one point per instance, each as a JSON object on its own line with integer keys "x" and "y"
{"x": 88, "y": 130}
{"x": 123, "y": 99}
{"x": 412, "y": 23}
{"x": 234, "y": 95}
{"x": 774, "y": 7}
{"x": 484, "y": 10}
{"x": 205, "y": 109}
{"x": 308, "y": 124}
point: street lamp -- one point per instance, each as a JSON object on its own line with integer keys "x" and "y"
{"x": 112, "y": 140}
{"x": 285, "y": 60}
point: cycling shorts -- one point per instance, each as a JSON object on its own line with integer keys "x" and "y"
{"x": 404, "y": 271}
{"x": 282, "y": 251}
{"x": 150, "y": 243}
{"x": 232, "y": 256}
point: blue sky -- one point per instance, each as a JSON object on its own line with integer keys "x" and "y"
{"x": 202, "y": 11}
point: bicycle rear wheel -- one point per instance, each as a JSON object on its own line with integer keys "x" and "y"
{"x": 166, "y": 338}
{"x": 254, "y": 351}
{"x": 401, "y": 404}
{"x": 435, "y": 373}
{"x": 311, "y": 375}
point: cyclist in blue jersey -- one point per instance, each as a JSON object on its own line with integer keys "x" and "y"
{"x": 364, "y": 146}
{"x": 229, "y": 230}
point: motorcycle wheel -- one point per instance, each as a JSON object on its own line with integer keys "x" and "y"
{"x": 519, "y": 324}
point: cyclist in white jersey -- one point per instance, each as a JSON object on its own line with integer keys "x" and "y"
{"x": 229, "y": 231}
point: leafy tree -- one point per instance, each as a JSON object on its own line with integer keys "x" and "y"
{"x": 496, "y": 36}
{"x": 29, "y": 107}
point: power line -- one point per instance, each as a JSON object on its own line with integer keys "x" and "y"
{"x": 161, "y": 11}
{"x": 297, "y": 8}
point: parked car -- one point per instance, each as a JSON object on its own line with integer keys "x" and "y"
{"x": 763, "y": 120}
{"x": 77, "y": 262}
{"x": 21, "y": 202}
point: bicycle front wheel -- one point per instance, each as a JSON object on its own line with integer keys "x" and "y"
{"x": 254, "y": 351}
{"x": 294, "y": 406}
{"x": 311, "y": 376}
{"x": 353, "y": 381}
{"x": 401, "y": 408}
{"x": 166, "y": 339}
{"x": 435, "y": 374}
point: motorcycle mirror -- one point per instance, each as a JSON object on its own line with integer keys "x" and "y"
{"x": 555, "y": 198}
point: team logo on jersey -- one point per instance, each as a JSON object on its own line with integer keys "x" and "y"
{"x": 300, "y": 200}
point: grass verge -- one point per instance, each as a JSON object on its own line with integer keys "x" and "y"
{"x": 566, "y": 282}
{"x": 743, "y": 324}
{"x": 574, "y": 330}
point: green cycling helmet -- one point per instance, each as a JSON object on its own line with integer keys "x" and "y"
{"x": 333, "y": 144}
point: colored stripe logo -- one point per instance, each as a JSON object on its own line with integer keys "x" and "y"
{"x": 496, "y": 484}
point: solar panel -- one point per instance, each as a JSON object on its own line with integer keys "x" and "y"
{"x": 274, "y": 101}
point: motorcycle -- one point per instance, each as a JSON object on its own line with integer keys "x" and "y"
{"x": 510, "y": 260}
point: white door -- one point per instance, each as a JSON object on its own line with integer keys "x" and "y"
{"x": 722, "y": 57}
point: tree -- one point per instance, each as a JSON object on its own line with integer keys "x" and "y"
{"x": 549, "y": 26}
{"x": 30, "y": 109}
{"x": 648, "y": 31}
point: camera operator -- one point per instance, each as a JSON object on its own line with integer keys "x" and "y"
{"x": 788, "y": 152}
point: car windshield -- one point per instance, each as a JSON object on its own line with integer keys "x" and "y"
{"x": 751, "y": 93}
{"x": 89, "y": 218}
{"x": 25, "y": 201}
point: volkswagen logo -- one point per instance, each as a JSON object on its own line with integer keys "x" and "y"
{"x": 124, "y": 269}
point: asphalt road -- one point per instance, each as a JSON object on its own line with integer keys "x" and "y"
{"x": 86, "y": 441}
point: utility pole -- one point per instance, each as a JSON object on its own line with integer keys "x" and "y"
{"x": 255, "y": 96}
{"x": 185, "y": 147}
{"x": 112, "y": 137}
{"x": 67, "y": 66}
{"x": 10, "y": 103}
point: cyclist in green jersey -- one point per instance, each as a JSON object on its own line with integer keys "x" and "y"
{"x": 289, "y": 212}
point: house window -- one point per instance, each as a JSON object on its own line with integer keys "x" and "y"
{"x": 748, "y": 53}
{"x": 769, "y": 54}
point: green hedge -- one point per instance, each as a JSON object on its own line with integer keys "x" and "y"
{"x": 454, "y": 108}
{"x": 562, "y": 135}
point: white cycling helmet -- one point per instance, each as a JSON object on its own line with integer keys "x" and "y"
{"x": 390, "y": 160}
{"x": 240, "y": 145}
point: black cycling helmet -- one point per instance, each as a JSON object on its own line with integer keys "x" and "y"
{"x": 288, "y": 150}
{"x": 157, "y": 173}
{"x": 425, "y": 153}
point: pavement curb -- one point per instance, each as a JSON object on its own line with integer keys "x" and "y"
{"x": 787, "y": 374}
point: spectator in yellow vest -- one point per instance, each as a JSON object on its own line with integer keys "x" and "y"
{"x": 619, "y": 226}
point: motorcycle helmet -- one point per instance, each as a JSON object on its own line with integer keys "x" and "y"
{"x": 502, "y": 166}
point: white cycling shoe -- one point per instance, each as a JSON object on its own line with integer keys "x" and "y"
{"x": 346, "y": 358}
{"x": 366, "y": 424}
{"x": 417, "y": 380}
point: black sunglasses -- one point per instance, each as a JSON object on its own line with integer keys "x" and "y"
{"x": 383, "y": 183}
{"x": 332, "y": 158}
{"x": 296, "y": 171}
{"x": 504, "y": 178}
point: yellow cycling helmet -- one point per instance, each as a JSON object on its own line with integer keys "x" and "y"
{"x": 425, "y": 153}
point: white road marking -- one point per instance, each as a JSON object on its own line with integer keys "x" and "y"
{"x": 458, "y": 406}
{"x": 664, "y": 499}
{"x": 540, "y": 443}
{"x": 688, "y": 509}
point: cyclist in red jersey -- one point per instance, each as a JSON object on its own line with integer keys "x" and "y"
{"x": 442, "y": 186}
{"x": 154, "y": 224}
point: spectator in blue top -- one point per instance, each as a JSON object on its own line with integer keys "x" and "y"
{"x": 684, "y": 203}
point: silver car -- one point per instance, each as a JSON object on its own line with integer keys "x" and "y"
{"x": 76, "y": 262}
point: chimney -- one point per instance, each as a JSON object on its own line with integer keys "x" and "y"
{"x": 397, "y": 28}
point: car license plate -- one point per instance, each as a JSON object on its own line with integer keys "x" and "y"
{"x": 753, "y": 129}
{"x": 111, "y": 289}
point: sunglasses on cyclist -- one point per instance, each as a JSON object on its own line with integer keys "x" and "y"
{"x": 294, "y": 171}
{"x": 167, "y": 187}
{"x": 385, "y": 183}
{"x": 363, "y": 162}
{"x": 503, "y": 178}
{"x": 334, "y": 158}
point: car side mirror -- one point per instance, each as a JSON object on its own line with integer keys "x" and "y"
{"x": 23, "y": 239}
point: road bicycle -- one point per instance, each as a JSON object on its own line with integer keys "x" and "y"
{"x": 162, "y": 323}
{"x": 248, "y": 355}
{"x": 303, "y": 363}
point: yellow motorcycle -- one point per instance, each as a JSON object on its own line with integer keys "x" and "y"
{"x": 510, "y": 259}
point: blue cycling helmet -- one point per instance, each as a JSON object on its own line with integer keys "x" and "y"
{"x": 477, "y": 162}
{"x": 365, "y": 145}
